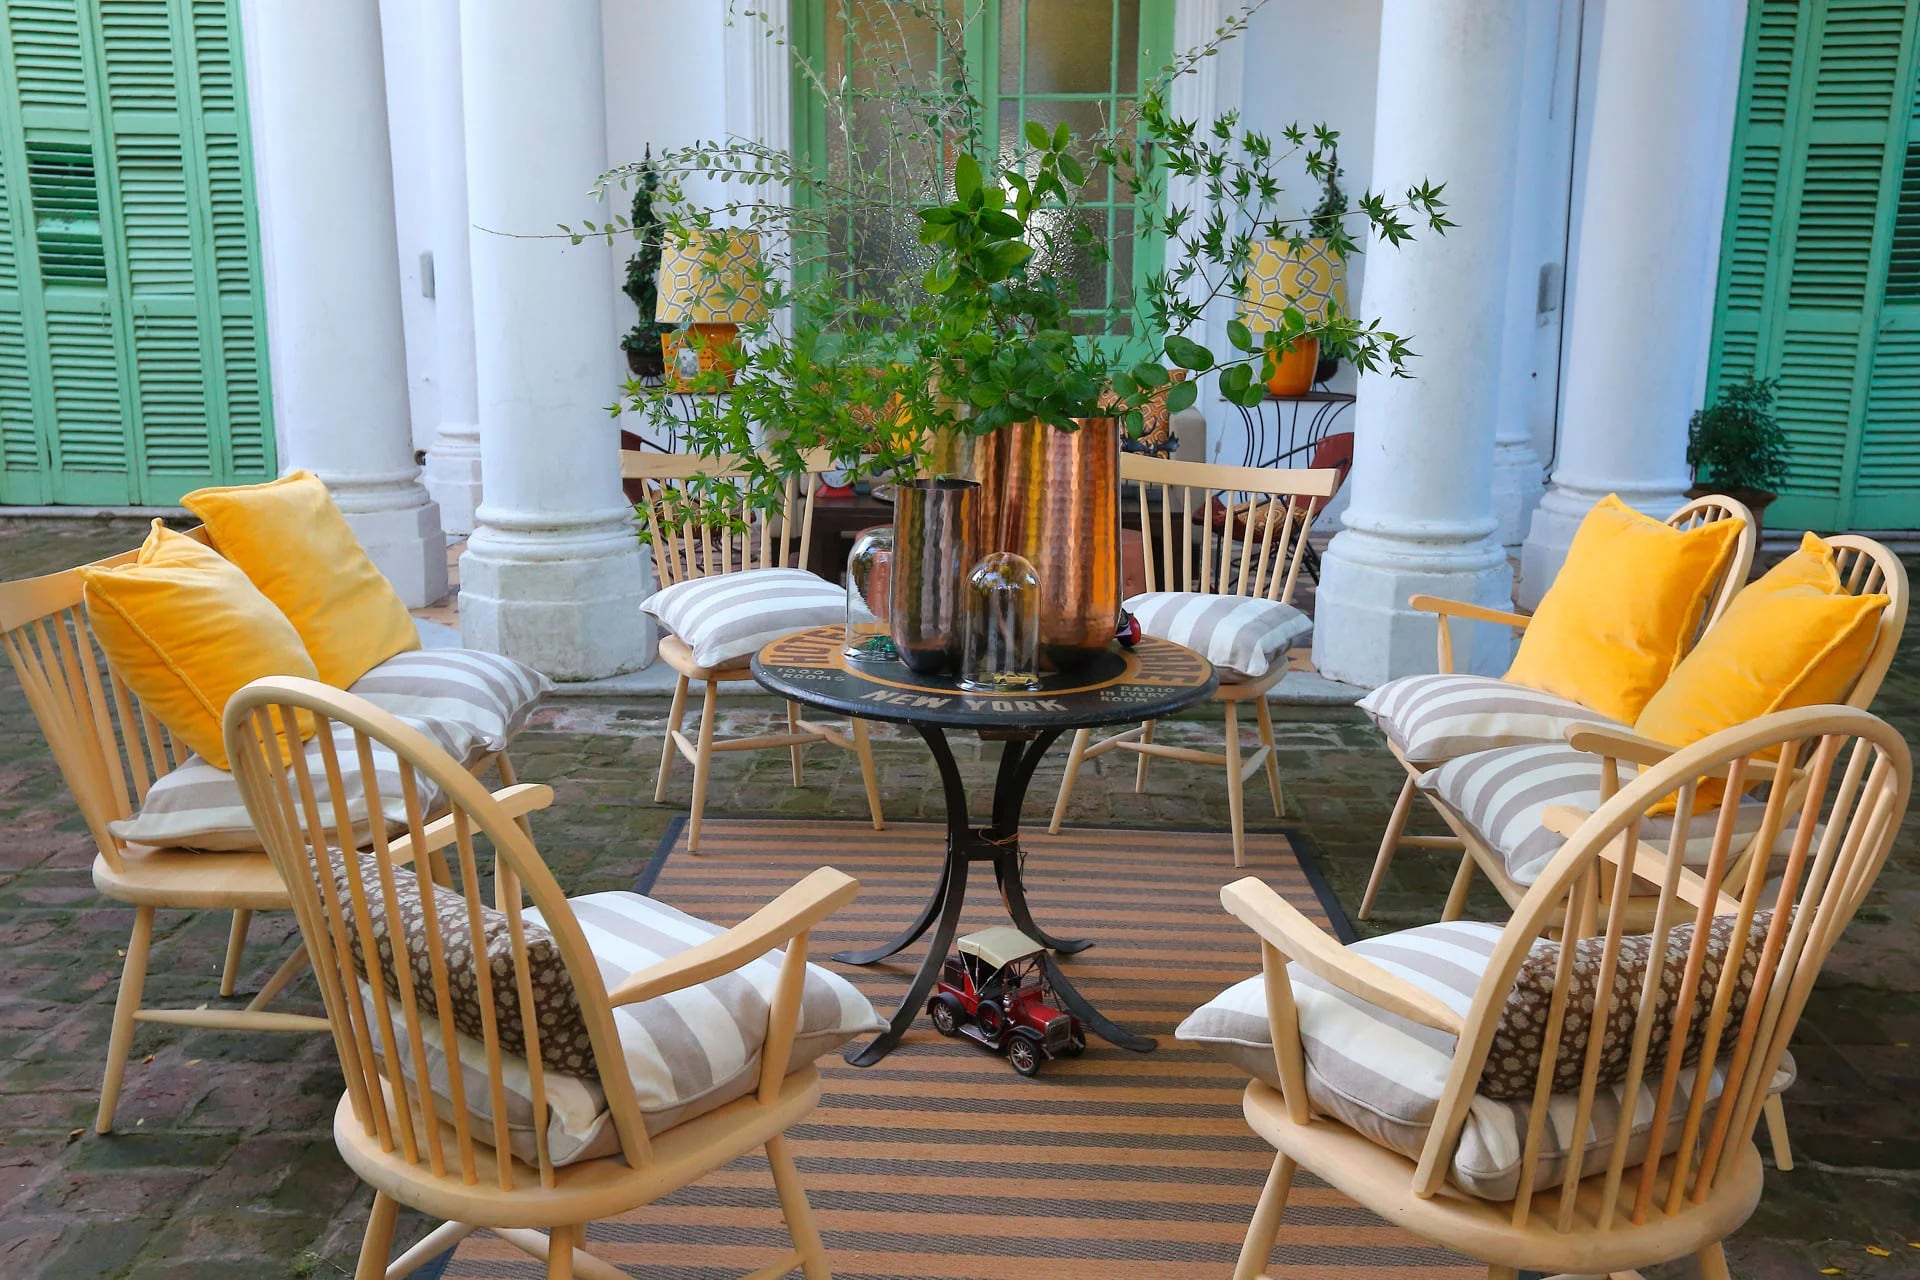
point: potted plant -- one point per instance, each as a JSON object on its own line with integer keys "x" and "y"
{"x": 1737, "y": 447}
{"x": 642, "y": 342}
{"x": 1323, "y": 223}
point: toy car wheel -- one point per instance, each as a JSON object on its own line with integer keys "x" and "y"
{"x": 992, "y": 1021}
{"x": 1025, "y": 1056}
{"x": 943, "y": 1017}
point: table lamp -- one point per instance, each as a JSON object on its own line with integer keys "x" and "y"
{"x": 708, "y": 285}
{"x": 1281, "y": 276}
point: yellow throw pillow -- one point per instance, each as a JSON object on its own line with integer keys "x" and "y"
{"x": 299, "y": 550}
{"x": 185, "y": 629}
{"x": 1625, "y": 607}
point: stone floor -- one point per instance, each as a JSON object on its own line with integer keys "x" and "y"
{"x": 223, "y": 1166}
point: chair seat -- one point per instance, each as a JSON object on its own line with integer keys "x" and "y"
{"x": 1241, "y": 636}
{"x": 185, "y": 878}
{"x": 1431, "y": 719}
{"x": 676, "y": 654}
{"x": 730, "y": 617}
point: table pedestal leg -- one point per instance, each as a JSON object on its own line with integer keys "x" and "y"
{"x": 908, "y": 936}
{"x": 1017, "y": 763}
{"x": 952, "y": 896}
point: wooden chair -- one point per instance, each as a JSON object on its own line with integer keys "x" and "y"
{"x": 1220, "y": 531}
{"x": 1700, "y": 511}
{"x": 430, "y": 1155}
{"x": 685, "y": 547}
{"x": 1645, "y": 1209}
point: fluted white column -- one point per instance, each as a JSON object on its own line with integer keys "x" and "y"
{"x": 453, "y": 459}
{"x": 325, "y": 182}
{"x": 1421, "y": 519}
{"x": 552, "y": 574}
{"x": 1641, "y": 315}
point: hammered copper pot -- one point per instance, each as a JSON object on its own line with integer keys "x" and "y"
{"x": 935, "y": 546}
{"x": 1053, "y": 497}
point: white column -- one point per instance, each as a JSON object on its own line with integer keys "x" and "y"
{"x": 333, "y": 298}
{"x": 453, "y": 459}
{"x": 1642, "y": 295}
{"x": 1421, "y": 519}
{"x": 552, "y": 574}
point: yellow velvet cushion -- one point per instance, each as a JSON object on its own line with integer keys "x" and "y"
{"x": 296, "y": 546}
{"x": 1623, "y": 610}
{"x": 185, "y": 629}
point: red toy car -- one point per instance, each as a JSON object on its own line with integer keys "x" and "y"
{"x": 995, "y": 992}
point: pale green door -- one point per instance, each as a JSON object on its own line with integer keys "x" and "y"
{"x": 132, "y": 341}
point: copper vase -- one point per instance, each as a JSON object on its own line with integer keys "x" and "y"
{"x": 1053, "y": 497}
{"x": 935, "y": 546}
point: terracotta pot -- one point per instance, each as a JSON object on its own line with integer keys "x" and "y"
{"x": 1291, "y": 372}
{"x": 1053, "y": 497}
{"x": 935, "y": 546}
{"x": 1756, "y": 500}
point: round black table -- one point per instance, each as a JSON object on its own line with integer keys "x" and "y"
{"x": 1153, "y": 679}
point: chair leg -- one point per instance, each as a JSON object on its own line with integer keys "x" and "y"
{"x": 799, "y": 1214}
{"x": 667, "y": 750}
{"x": 133, "y": 983}
{"x": 378, "y": 1242}
{"x": 1713, "y": 1263}
{"x": 796, "y": 752}
{"x": 561, "y": 1242}
{"x": 1265, "y": 715}
{"x": 1236, "y": 793}
{"x": 1265, "y": 1226}
{"x": 1074, "y": 758}
{"x": 1140, "y": 768}
{"x": 1776, "y": 1115}
{"x": 1389, "y": 844}
{"x": 863, "y": 749}
{"x": 1457, "y": 896}
{"x": 236, "y": 947}
{"x": 702, "y": 765}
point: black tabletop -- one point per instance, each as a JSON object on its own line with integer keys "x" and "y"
{"x": 1154, "y": 678}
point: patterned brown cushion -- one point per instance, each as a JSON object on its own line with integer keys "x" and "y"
{"x": 1513, "y": 1064}
{"x": 564, "y": 1044}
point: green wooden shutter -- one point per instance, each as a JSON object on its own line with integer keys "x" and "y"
{"x": 1886, "y": 493}
{"x": 149, "y": 381}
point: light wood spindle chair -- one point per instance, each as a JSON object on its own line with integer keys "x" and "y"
{"x": 1700, "y": 511}
{"x": 1635, "y": 1210}
{"x": 685, "y": 548}
{"x": 428, "y": 1153}
{"x": 1226, "y": 531}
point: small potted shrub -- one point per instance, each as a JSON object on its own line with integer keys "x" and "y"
{"x": 1737, "y": 447}
{"x": 1325, "y": 223}
{"x": 642, "y": 342}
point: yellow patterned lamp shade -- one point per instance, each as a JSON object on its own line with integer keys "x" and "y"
{"x": 709, "y": 280}
{"x": 1281, "y": 276}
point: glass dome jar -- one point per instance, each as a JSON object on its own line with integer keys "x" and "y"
{"x": 1003, "y": 626}
{"x": 869, "y": 596}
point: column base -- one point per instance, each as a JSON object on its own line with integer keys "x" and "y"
{"x": 406, "y": 544}
{"x": 1363, "y": 631}
{"x": 452, "y": 476}
{"x": 563, "y": 599}
{"x": 1518, "y": 484}
{"x": 1558, "y": 517}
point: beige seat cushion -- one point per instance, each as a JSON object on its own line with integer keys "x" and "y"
{"x": 728, "y": 618}
{"x": 1241, "y": 636}
{"x": 489, "y": 693}
{"x": 1436, "y": 718}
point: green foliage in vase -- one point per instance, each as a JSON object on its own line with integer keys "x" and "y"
{"x": 1736, "y": 442}
{"x": 918, "y": 286}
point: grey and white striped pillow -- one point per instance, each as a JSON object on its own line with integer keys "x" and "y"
{"x": 1241, "y": 635}
{"x": 1382, "y": 1075}
{"x": 1435, "y": 718}
{"x": 1504, "y": 794}
{"x": 728, "y": 618}
{"x": 687, "y": 1053}
{"x": 490, "y": 693}
{"x": 198, "y": 806}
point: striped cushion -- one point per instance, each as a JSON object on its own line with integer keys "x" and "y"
{"x": 1503, "y": 794}
{"x": 489, "y": 693}
{"x": 687, "y": 1053}
{"x": 198, "y": 806}
{"x": 1435, "y": 718}
{"x": 729, "y": 618}
{"x": 1240, "y": 635}
{"x": 1383, "y": 1075}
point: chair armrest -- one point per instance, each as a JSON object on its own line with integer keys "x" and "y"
{"x": 792, "y": 913}
{"x": 1624, "y": 744}
{"x": 517, "y": 800}
{"x": 1297, "y": 938}
{"x": 1473, "y": 612}
{"x": 1648, "y": 863}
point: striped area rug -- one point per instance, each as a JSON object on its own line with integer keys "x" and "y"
{"x": 940, "y": 1161}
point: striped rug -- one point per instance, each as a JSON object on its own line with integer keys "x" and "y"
{"x": 940, "y": 1161}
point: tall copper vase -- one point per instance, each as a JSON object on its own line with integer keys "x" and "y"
{"x": 1053, "y": 497}
{"x": 935, "y": 546}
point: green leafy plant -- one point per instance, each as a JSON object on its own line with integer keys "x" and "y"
{"x": 1330, "y": 214}
{"x": 642, "y": 341}
{"x": 1736, "y": 442}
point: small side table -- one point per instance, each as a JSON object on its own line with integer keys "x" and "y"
{"x": 1279, "y": 418}
{"x": 1153, "y": 679}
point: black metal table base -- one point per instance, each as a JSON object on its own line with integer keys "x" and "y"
{"x": 998, "y": 844}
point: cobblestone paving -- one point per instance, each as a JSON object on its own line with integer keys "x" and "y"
{"x": 223, "y": 1165}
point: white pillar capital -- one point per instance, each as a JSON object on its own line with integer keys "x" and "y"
{"x": 1421, "y": 518}
{"x": 325, "y": 178}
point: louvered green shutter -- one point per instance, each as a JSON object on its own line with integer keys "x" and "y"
{"x": 1887, "y": 479}
{"x": 150, "y": 378}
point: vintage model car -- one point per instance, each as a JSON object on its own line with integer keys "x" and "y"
{"x": 994, "y": 991}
